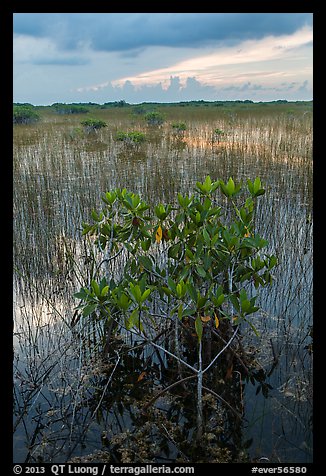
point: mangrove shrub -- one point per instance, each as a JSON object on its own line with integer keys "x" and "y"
{"x": 25, "y": 114}
{"x": 190, "y": 270}
{"x": 93, "y": 125}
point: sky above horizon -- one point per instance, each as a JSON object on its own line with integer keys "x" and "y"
{"x": 162, "y": 57}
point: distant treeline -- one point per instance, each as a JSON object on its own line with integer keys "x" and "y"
{"x": 82, "y": 107}
{"x": 26, "y": 113}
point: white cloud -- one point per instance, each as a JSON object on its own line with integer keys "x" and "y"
{"x": 211, "y": 67}
{"x": 43, "y": 69}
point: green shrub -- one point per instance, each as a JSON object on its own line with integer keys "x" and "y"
{"x": 93, "y": 125}
{"x": 154, "y": 118}
{"x": 131, "y": 138}
{"x": 25, "y": 114}
{"x": 179, "y": 127}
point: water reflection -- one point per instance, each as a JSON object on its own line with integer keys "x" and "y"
{"x": 64, "y": 405}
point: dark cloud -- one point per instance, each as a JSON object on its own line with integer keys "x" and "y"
{"x": 284, "y": 87}
{"x": 61, "y": 61}
{"x": 132, "y": 31}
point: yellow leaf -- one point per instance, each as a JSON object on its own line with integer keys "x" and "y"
{"x": 205, "y": 318}
{"x": 159, "y": 234}
{"x": 141, "y": 376}
{"x": 217, "y": 322}
{"x": 247, "y": 233}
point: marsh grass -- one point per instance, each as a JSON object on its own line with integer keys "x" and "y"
{"x": 60, "y": 174}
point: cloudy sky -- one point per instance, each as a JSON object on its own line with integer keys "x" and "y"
{"x": 163, "y": 57}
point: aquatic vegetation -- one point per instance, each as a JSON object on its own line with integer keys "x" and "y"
{"x": 73, "y": 395}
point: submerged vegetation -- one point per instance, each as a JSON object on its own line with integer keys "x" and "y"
{"x": 187, "y": 342}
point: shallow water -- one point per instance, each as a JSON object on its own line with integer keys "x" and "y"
{"x": 57, "y": 181}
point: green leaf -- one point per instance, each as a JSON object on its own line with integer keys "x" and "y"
{"x": 184, "y": 273}
{"x": 248, "y": 243}
{"x": 86, "y": 228}
{"x": 201, "y": 271}
{"x": 192, "y": 291}
{"x": 206, "y": 236}
{"x": 245, "y": 305}
{"x": 184, "y": 202}
{"x": 160, "y": 212}
{"x": 133, "y": 319}
{"x": 89, "y": 309}
{"x": 201, "y": 301}
{"x": 135, "y": 292}
{"x": 255, "y": 188}
{"x": 219, "y": 291}
{"x": 181, "y": 289}
{"x": 189, "y": 254}
{"x": 250, "y": 186}
{"x": 257, "y": 185}
{"x": 181, "y": 200}
{"x": 172, "y": 285}
{"x": 95, "y": 288}
{"x": 146, "y": 262}
{"x": 95, "y": 215}
{"x": 206, "y": 186}
{"x": 208, "y": 182}
{"x": 219, "y": 300}
{"x": 174, "y": 250}
{"x": 145, "y": 244}
{"x": 166, "y": 290}
{"x": 82, "y": 294}
{"x": 272, "y": 262}
{"x": 235, "y": 302}
{"x": 230, "y": 186}
{"x": 124, "y": 301}
{"x": 243, "y": 295}
{"x": 145, "y": 295}
{"x": 105, "y": 291}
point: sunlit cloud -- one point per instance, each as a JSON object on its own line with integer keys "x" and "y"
{"x": 162, "y": 57}
{"x": 210, "y": 67}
